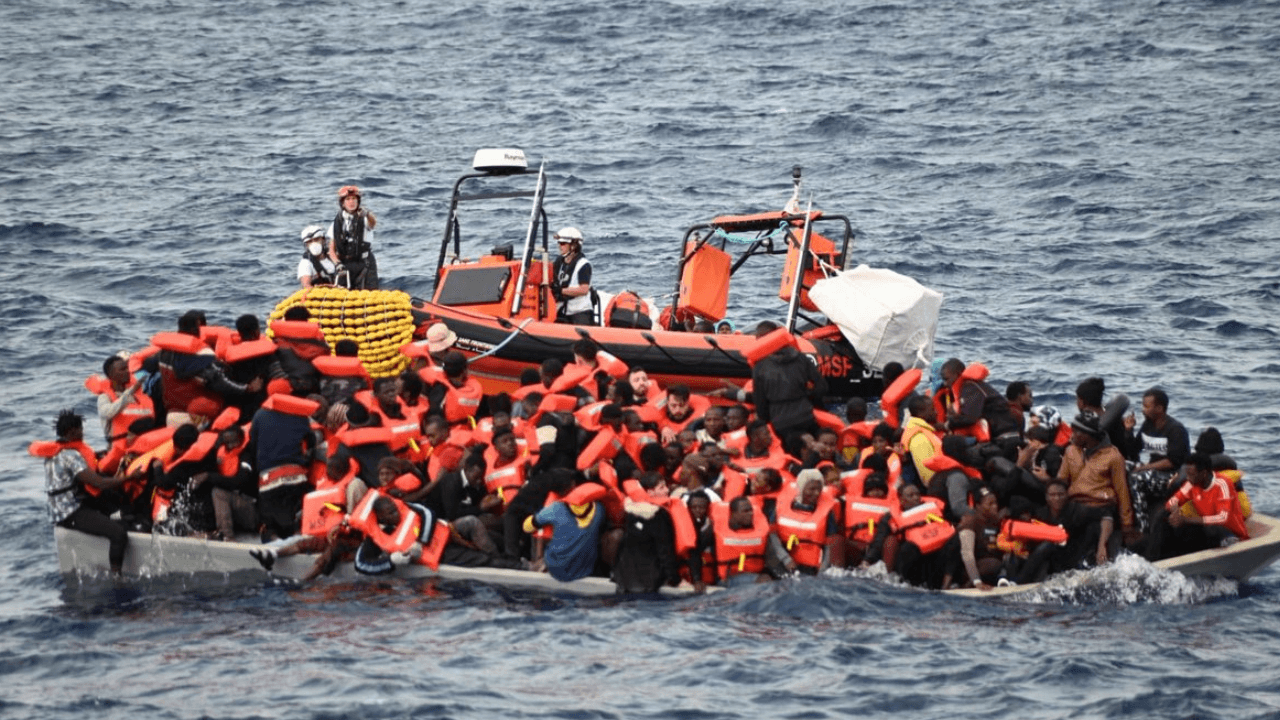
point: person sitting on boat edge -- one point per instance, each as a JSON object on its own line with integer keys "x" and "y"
{"x": 1088, "y": 532}
{"x": 1216, "y": 522}
{"x": 1095, "y": 475}
{"x": 69, "y": 468}
{"x": 646, "y": 556}
{"x": 576, "y": 522}
{"x": 744, "y": 547}
{"x": 315, "y": 267}
{"x": 571, "y": 273}
{"x": 351, "y": 240}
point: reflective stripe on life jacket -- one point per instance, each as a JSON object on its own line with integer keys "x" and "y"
{"x": 861, "y": 515}
{"x": 739, "y": 551}
{"x": 803, "y": 533}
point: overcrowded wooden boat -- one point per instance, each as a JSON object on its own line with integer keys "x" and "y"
{"x": 1240, "y": 561}
{"x": 83, "y": 558}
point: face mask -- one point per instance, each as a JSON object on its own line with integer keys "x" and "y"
{"x": 315, "y": 248}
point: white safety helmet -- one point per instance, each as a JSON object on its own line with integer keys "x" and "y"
{"x": 311, "y": 232}
{"x": 569, "y": 235}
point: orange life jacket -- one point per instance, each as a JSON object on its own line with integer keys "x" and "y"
{"x": 462, "y": 403}
{"x": 505, "y": 480}
{"x": 892, "y": 397}
{"x": 605, "y": 446}
{"x": 861, "y": 515}
{"x": 304, "y": 337}
{"x": 739, "y": 551}
{"x": 923, "y": 525}
{"x": 138, "y": 407}
{"x": 239, "y": 352}
{"x": 323, "y": 509}
{"x": 803, "y": 533}
{"x": 403, "y": 537}
{"x": 48, "y": 449}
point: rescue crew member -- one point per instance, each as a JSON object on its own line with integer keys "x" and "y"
{"x": 572, "y": 274}
{"x": 315, "y": 267}
{"x": 351, "y": 240}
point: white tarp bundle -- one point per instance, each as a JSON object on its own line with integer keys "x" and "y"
{"x": 886, "y": 316}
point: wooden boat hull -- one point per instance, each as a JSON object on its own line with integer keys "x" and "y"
{"x": 500, "y": 350}
{"x": 82, "y": 556}
{"x": 1237, "y": 562}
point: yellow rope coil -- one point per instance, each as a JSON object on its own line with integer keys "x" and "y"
{"x": 379, "y": 321}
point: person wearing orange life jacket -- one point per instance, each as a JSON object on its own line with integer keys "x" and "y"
{"x": 184, "y": 502}
{"x": 1217, "y": 521}
{"x": 786, "y": 387}
{"x": 396, "y": 533}
{"x": 763, "y": 451}
{"x": 298, "y": 342}
{"x": 234, "y": 486}
{"x": 342, "y": 375}
{"x": 281, "y": 440}
{"x": 865, "y": 514}
{"x": 120, "y": 400}
{"x": 974, "y": 402}
{"x": 384, "y": 401}
{"x": 677, "y": 410}
{"x": 69, "y": 467}
{"x": 413, "y": 394}
{"x": 251, "y": 357}
{"x": 506, "y": 468}
{"x": 443, "y": 452}
{"x": 913, "y": 520}
{"x": 458, "y": 396}
{"x": 189, "y": 369}
{"x": 805, "y": 522}
{"x": 857, "y": 433}
{"x": 744, "y": 547}
{"x": 825, "y": 447}
{"x": 603, "y": 367}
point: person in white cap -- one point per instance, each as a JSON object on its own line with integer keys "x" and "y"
{"x": 315, "y": 267}
{"x": 572, "y": 274}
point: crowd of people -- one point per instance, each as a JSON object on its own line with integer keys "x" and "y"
{"x": 590, "y": 467}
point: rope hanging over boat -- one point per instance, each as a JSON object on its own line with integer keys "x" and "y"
{"x": 748, "y": 239}
{"x": 379, "y": 321}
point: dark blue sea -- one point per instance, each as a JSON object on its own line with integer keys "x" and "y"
{"x": 1094, "y": 186}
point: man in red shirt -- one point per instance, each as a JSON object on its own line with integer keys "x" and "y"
{"x": 1216, "y": 521}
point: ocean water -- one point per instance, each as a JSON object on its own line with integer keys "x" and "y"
{"x": 1094, "y": 186}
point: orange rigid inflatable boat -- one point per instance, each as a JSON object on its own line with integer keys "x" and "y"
{"x": 502, "y": 306}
